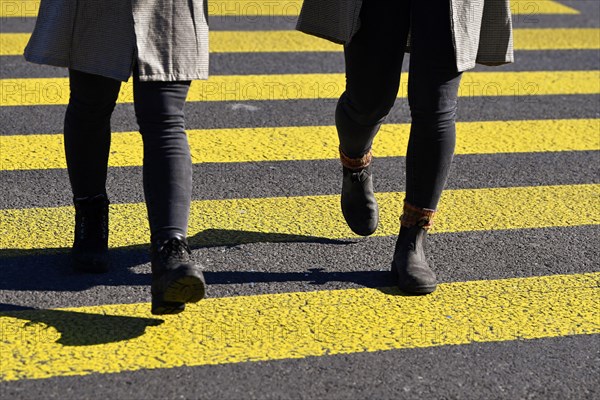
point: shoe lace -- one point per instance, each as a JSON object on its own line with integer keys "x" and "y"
{"x": 91, "y": 216}
{"x": 174, "y": 249}
{"x": 93, "y": 226}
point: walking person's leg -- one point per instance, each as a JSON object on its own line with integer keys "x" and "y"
{"x": 373, "y": 65}
{"x": 87, "y": 144}
{"x": 432, "y": 92}
{"x": 176, "y": 279}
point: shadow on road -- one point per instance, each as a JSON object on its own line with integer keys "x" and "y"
{"x": 71, "y": 328}
{"x": 226, "y": 237}
{"x": 50, "y": 269}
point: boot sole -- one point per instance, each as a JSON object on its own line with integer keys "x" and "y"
{"x": 413, "y": 290}
{"x": 187, "y": 289}
{"x": 165, "y": 308}
{"x": 184, "y": 287}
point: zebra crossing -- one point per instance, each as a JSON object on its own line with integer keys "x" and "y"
{"x": 39, "y": 152}
{"x": 268, "y": 327}
{"x": 293, "y": 294}
{"x": 54, "y": 91}
{"x": 293, "y": 41}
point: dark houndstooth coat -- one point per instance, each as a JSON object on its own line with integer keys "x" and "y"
{"x": 481, "y": 29}
{"x": 167, "y": 40}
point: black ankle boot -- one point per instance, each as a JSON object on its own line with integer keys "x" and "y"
{"x": 359, "y": 205}
{"x": 410, "y": 263}
{"x": 90, "y": 247}
{"x": 176, "y": 280}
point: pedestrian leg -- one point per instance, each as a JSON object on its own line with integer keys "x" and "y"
{"x": 87, "y": 144}
{"x": 176, "y": 279}
{"x": 373, "y": 65}
{"x": 432, "y": 94}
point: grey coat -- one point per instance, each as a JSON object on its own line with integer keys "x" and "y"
{"x": 481, "y": 29}
{"x": 166, "y": 39}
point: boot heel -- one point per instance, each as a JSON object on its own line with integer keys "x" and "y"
{"x": 185, "y": 289}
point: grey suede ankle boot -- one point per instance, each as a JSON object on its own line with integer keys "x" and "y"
{"x": 358, "y": 202}
{"x": 90, "y": 246}
{"x": 410, "y": 263}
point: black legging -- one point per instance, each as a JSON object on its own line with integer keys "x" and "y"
{"x": 373, "y": 65}
{"x": 167, "y": 160}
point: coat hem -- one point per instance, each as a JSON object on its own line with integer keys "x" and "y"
{"x": 316, "y": 22}
{"x": 62, "y": 63}
{"x": 174, "y": 77}
{"x": 309, "y": 31}
{"x": 56, "y": 62}
{"x": 53, "y": 62}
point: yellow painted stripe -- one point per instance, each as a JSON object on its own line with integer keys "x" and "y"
{"x": 557, "y": 39}
{"x": 42, "y": 344}
{"x": 23, "y": 152}
{"x": 13, "y": 44}
{"x": 538, "y": 7}
{"x": 19, "y": 8}
{"x": 215, "y": 222}
{"x": 293, "y": 41}
{"x": 54, "y": 91}
{"x": 246, "y": 9}
{"x": 249, "y": 9}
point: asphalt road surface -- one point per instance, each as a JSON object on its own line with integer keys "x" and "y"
{"x": 299, "y": 307}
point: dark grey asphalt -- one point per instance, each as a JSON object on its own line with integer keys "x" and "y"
{"x": 254, "y": 263}
{"x": 323, "y": 62}
{"x": 550, "y": 369}
{"x": 298, "y": 178}
{"x": 247, "y": 263}
{"x": 49, "y": 119}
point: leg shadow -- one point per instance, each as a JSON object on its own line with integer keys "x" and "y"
{"x": 230, "y": 238}
{"x": 50, "y": 269}
{"x": 313, "y": 276}
{"x": 74, "y": 328}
